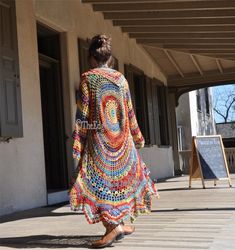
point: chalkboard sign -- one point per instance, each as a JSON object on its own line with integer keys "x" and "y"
{"x": 208, "y": 160}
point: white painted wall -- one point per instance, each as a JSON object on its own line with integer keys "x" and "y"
{"x": 22, "y": 168}
{"x": 193, "y": 113}
{"x": 183, "y": 115}
{"x": 193, "y": 121}
{"x": 201, "y": 123}
{"x": 124, "y": 49}
{"x": 22, "y": 176}
{"x": 159, "y": 161}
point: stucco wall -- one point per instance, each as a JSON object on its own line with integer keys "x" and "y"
{"x": 194, "y": 122}
{"x": 207, "y": 122}
{"x": 22, "y": 176}
{"x": 193, "y": 113}
{"x": 226, "y": 130}
{"x": 79, "y": 20}
{"x": 201, "y": 123}
{"x": 159, "y": 161}
{"x": 75, "y": 23}
{"x": 183, "y": 119}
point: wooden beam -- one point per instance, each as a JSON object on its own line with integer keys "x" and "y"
{"x": 199, "y": 47}
{"x": 168, "y": 14}
{"x": 194, "y": 49}
{"x": 174, "y": 63}
{"x": 212, "y": 77}
{"x": 116, "y": 1}
{"x": 126, "y": 1}
{"x": 219, "y": 66}
{"x": 224, "y": 55}
{"x": 229, "y": 56}
{"x": 185, "y": 41}
{"x": 163, "y": 6}
{"x": 182, "y": 35}
{"x": 179, "y": 29}
{"x": 218, "y": 51}
{"x": 177, "y": 22}
{"x": 196, "y": 65}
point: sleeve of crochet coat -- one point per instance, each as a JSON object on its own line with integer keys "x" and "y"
{"x": 82, "y": 115}
{"x": 134, "y": 127}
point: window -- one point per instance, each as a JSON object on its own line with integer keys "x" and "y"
{"x": 199, "y": 106}
{"x": 83, "y": 46}
{"x": 163, "y": 118}
{"x": 136, "y": 80}
{"x": 150, "y": 110}
{"x": 150, "y": 103}
{"x": 207, "y": 101}
{"x": 10, "y": 94}
{"x": 155, "y": 114}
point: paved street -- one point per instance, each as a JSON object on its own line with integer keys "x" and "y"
{"x": 181, "y": 219}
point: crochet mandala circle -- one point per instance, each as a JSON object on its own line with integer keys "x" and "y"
{"x": 111, "y": 112}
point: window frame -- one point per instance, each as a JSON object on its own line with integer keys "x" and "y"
{"x": 159, "y": 86}
{"x": 207, "y": 101}
{"x": 199, "y": 101}
{"x": 11, "y": 112}
{"x": 151, "y": 110}
{"x": 130, "y": 72}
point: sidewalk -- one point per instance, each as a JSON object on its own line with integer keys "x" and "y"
{"x": 181, "y": 219}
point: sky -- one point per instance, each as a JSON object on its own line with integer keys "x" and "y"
{"x": 222, "y": 97}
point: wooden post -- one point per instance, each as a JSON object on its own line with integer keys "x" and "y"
{"x": 208, "y": 160}
{"x": 226, "y": 164}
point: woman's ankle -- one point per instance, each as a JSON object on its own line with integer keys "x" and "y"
{"x": 109, "y": 227}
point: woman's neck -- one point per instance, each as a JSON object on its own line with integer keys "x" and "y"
{"x": 102, "y": 65}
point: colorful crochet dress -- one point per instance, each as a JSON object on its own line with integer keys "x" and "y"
{"x": 111, "y": 181}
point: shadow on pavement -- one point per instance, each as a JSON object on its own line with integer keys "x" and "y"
{"x": 38, "y": 212}
{"x": 190, "y": 189}
{"x": 193, "y": 209}
{"x": 49, "y": 241}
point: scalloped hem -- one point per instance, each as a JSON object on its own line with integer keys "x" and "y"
{"x": 135, "y": 208}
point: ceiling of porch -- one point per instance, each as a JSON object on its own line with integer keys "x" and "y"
{"x": 192, "y": 41}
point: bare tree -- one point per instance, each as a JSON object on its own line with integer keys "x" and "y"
{"x": 224, "y": 102}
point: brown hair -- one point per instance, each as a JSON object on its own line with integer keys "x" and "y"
{"x": 100, "y": 48}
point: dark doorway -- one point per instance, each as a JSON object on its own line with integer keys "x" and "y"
{"x": 141, "y": 105}
{"x": 52, "y": 109}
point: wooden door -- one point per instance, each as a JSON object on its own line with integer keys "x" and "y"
{"x": 53, "y": 124}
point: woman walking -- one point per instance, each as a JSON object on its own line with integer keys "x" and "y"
{"x": 112, "y": 182}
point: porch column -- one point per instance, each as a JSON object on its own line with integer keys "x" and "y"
{"x": 173, "y": 128}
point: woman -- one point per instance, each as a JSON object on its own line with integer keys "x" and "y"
{"x": 112, "y": 182}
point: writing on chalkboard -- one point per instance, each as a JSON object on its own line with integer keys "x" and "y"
{"x": 208, "y": 160}
{"x": 211, "y": 158}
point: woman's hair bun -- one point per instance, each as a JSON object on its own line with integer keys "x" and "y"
{"x": 100, "y": 48}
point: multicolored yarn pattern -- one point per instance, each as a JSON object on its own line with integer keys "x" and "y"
{"x": 112, "y": 182}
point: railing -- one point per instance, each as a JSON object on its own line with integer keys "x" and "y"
{"x": 230, "y": 155}
{"x": 185, "y": 156}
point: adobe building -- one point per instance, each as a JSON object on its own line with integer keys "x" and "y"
{"x": 43, "y": 48}
{"x": 195, "y": 117}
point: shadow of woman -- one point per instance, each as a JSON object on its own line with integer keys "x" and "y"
{"x": 49, "y": 241}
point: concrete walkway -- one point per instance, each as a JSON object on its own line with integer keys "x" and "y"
{"x": 181, "y": 219}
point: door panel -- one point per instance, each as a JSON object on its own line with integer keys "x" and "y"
{"x": 53, "y": 126}
{"x": 10, "y": 94}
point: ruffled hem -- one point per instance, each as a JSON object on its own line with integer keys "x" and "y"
{"x": 140, "y": 204}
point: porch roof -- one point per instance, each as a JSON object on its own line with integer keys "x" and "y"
{"x": 192, "y": 41}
